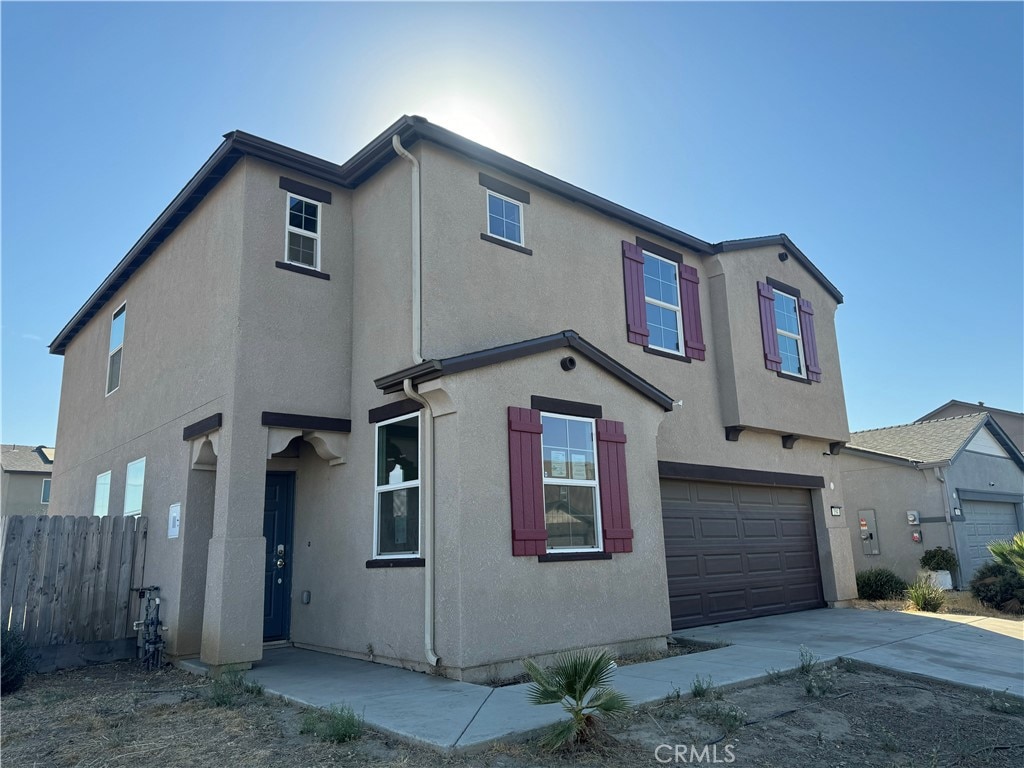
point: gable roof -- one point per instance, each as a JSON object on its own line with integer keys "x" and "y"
{"x": 434, "y": 369}
{"x": 360, "y": 167}
{"x": 1012, "y": 422}
{"x": 935, "y": 442}
{"x": 26, "y": 458}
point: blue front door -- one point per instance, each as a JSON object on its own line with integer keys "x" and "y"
{"x": 277, "y": 529}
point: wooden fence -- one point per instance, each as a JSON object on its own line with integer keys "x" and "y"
{"x": 66, "y": 583}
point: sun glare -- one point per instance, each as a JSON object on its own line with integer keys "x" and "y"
{"x": 480, "y": 122}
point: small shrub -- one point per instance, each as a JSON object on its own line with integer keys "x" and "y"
{"x": 16, "y": 660}
{"x": 727, "y": 716}
{"x": 1005, "y": 704}
{"x": 337, "y": 724}
{"x": 579, "y": 681}
{"x": 999, "y": 586}
{"x": 939, "y": 559}
{"x": 702, "y": 687}
{"x": 925, "y": 596}
{"x": 880, "y": 584}
{"x": 229, "y": 687}
{"x": 820, "y": 681}
{"x": 808, "y": 661}
{"x": 1010, "y": 553}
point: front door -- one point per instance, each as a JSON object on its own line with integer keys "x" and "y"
{"x": 277, "y": 529}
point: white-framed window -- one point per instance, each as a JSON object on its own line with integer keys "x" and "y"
{"x": 302, "y": 232}
{"x": 396, "y": 531}
{"x": 787, "y": 325}
{"x": 572, "y": 503}
{"x": 45, "y": 496}
{"x": 101, "y": 500}
{"x": 116, "y": 349}
{"x": 504, "y": 218}
{"x": 664, "y": 313}
{"x": 134, "y": 481}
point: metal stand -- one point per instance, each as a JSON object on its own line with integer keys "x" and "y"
{"x": 152, "y": 640}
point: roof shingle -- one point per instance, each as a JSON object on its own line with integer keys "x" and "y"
{"x": 26, "y": 458}
{"x": 925, "y": 442}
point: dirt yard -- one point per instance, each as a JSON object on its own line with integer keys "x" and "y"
{"x": 116, "y": 715}
{"x": 958, "y": 603}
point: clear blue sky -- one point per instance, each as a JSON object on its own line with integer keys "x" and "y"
{"x": 885, "y": 139}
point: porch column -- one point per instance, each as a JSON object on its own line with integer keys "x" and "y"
{"x": 233, "y": 606}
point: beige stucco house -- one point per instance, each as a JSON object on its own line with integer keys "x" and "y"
{"x": 955, "y": 483}
{"x": 26, "y": 479}
{"x": 437, "y": 408}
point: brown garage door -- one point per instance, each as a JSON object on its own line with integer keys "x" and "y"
{"x": 738, "y": 551}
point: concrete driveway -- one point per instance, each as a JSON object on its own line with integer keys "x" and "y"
{"x": 968, "y": 650}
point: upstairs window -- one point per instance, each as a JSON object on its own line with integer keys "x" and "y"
{"x": 303, "y": 232}
{"x": 661, "y": 294}
{"x": 397, "y": 493}
{"x": 787, "y": 327}
{"x": 45, "y": 498}
{"x": 504, "y": 218}
{"x": 116, "y": 349}
{"x": 787, "y": 332}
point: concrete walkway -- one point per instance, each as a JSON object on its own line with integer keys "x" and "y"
{"x": 984, "y": 653}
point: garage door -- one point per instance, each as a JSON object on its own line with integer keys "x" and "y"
{"x": 738, "y": 551}
{"x": 985, "y": 522}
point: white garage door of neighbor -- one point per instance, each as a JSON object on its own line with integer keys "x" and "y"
{"x": 986, "y": 521}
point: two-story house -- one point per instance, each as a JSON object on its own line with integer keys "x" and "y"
{"x": 25, "y": 473}
{"x": 437, "y": 408}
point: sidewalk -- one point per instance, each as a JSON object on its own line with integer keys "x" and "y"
{"x": 447, "y": 714}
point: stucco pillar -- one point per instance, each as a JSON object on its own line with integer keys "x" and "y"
{"x": 233, "y": 605}
{"x": 838, "y": 576}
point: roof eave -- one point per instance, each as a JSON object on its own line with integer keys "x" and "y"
{"x": 783, "y": 241}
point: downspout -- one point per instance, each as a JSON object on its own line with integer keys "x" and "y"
{"x": 427, "y": 490}
{"x": 417, "y": 254}
{"x": 941, "y": 477}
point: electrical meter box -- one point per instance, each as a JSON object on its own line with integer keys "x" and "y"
{"x": 868, "y": 531}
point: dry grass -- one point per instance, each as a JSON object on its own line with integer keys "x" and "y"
{"x": 957, "y": 603}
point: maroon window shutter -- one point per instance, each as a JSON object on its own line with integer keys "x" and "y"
{"x": 810, "y": 343}
{"x": 525, "y": 464}
{"x": 690, "y": 296}
{"x": 769, "y": 339}
{"x": 636, "y": 305}
{"x": 611, "y": 468}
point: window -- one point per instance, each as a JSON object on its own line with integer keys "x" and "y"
{"x": 45, "y": 498}
{"x": 504, "y": 218}
{"x": 303, "y": 232}
{"x": 787, "y": 325}
{"x": 116, "y": 349}
{"x": 135, "y": 478}
{"x": 102, "y": 498}
{"x": 397, "y": 493}
{"x": 571, "y": 507}
{"x": 661, "y": 294}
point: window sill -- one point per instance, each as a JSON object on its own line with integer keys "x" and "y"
{"x": 669, "y": 355}
{"x": 397, "y": 562}
{"x": 505, "y": 244}
{"x": 791, "y": 377}
{"x": 571, "y": 557}
{"x": 300, "y": 270}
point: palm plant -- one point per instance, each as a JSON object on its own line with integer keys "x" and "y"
{"x": 1010, "y": 553}
{"x": 580, "y": 682}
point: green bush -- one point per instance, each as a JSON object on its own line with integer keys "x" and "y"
{"x": 337, "y": 724}
{"x": 880, "y": 584}
{"x": 999, "y": 586}
{"x": 16, "y": 661}
{"x": 925, "y": 595}
{"x": 1010, "y": 553}
{"x": 231, "y": 686}
{"x": 939, "y": 559}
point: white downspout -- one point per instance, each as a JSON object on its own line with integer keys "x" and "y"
{"x": 417, "y": 254}
{"x": 427, "y": 494}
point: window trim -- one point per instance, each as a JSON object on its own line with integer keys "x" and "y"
{"x": 44, "y": 495}
{"x": 595, "y": 484}
{"x": 678, "y": 309}
{"x": 378, "y": 489}
{"x": 799, "y": 338}
{"x": 127, "y": 474}
{"x": 121, "y": 310}
{"x": 522, "y": 218}
{"x": 95, "y": 496}
{"x": 289, "y": 229}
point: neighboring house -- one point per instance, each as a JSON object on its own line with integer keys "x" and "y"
{"x": 349, "y": 400}
{"x": 956, "y": 483}
{"x": 1011, "y": 421}
{"x": 26, "y": 479}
